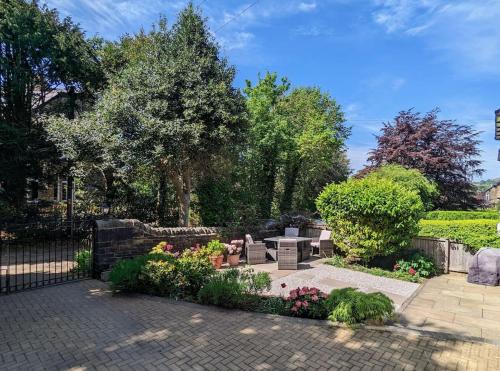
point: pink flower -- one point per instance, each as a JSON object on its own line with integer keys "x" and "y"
{"x": 323, "y": 295}
{"x": 315, "y": 298}
{"x": 305, "y": 304}
{"x": 412, "y": 271}
{"x": 283, "y": 285}
{"x": 176, "y": 254}
{"x": 396, "y": 267}
{"x": 313, "y": 291}
{"x": 294, "y": 309}
{"x": 301, "y": 292}
{"x": 293, "y": 294}
{"x": 298, "y": 303}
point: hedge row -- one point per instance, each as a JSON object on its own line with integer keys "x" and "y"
{"x": 474, "y": 233}
{"x": 461, "y": 215}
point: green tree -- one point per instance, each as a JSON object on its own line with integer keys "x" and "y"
{"x": 39, "y": 53}
{"x": 266, "y": 139}
{"x": 313, "y": 155}
{"x": 411, "y": 179}
{"x": 174, "y": 108}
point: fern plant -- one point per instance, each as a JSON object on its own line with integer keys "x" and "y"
{"x": 351, "y": 306}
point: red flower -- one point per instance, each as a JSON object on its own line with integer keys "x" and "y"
{"x": 283, "y": 285}
{"x": 412, "y": 271}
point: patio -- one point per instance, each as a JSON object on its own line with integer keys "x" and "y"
{"x": 313, "y": 273}
{"x": 449, "y": 304}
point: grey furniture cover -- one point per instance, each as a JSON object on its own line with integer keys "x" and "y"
{"x": 485, "y": 267}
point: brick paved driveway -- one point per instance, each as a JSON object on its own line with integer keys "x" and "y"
{"x": 81, "y": 326}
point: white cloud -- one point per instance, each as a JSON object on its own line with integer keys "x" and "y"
{"x": 307, "y": 7}
{"x": 464, "y": 32}
{"x": 397, "y": 83}
{"x": 236, "y": 40}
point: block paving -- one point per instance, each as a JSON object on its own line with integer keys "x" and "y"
{"x": 81, "y": 326}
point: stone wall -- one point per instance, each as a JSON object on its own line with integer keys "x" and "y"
{"x": 117, "y": 239}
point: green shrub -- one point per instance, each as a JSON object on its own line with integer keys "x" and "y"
{"x": 351, "y": 306}
{"x": 370, "y": 217}
{"x": 194, "y": 271}
{"x": 416, "y": 265}
{"x": 163, "y": 274}
{"x": 159, "y": 277}
{"x": 214, "y": 248}
{"x": 83, "y": 262}
{"x": 474, "y": 233}
{"x": 234, "y": 288}
{"x": 461, "y": 215}
{"x": 411, "y": 179}
{"x": 272, "y": 305}
{"x": 339, "y": 262}
{"x": 125, "y": 274}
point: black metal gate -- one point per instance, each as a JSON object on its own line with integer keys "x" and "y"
{"x": 44, "y": 253}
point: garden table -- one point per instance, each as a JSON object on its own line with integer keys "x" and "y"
{"x": 303, "y": 243}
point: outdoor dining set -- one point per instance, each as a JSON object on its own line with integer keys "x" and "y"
{"x": 288, "y": 250}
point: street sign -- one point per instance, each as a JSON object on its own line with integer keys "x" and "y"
{"x": 497, "y": 124}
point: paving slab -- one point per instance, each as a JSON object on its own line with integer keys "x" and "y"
{"x": 452, "y": 305}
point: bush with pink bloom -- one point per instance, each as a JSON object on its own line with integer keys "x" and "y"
{"x": 307, "y": 302}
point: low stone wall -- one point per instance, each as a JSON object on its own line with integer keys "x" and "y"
{"x": 117, "y": 239}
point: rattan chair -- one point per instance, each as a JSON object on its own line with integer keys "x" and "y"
{"x": 255, "y": 251}
{"x": 287, "y": 254}
{"x": 292, "y": 232}
{"x": 324, "y": 247}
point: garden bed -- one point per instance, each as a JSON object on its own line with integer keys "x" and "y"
{"x": 190, "y": 275}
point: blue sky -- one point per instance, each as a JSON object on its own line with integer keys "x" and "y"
{"x": 376, "y": 57}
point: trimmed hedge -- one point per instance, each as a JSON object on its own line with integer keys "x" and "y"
{"x": 461, "y": 215}
{"x": 370, "y": 217}
{"x": 474, "y": 233}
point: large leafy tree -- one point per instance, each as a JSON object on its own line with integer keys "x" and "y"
{"x": 39, "y": 53}
{"x": 313, "y": 155}
{"x": 267, "y": 138}
{"x": 173, "y": 107}
{"x": 444, "y": 151}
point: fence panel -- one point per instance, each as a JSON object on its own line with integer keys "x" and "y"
{"x": 448, "y": 255}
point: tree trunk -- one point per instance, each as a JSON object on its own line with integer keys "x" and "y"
{"x": 161, "y": 204}
{"x": 182, "y": 185}
{"x": 291, "y": 173}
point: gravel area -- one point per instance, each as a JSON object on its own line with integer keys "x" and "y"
{"x": 327, "y": 278}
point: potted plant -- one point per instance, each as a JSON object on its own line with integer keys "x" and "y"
{"x": 215, "y": 251}
{"x": 233, "y": 252}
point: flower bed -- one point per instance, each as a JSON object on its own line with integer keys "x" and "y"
{"x": 414, "y": 268}
{"x": 191, "y": 275}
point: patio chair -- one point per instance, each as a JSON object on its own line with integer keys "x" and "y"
{"x": 291, "y": 232}
{"x": 323, "y": 247}
{"x": 287, "y": 254}
{"x": 255, "y": 251}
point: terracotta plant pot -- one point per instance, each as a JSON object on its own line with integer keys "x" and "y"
{"x": 216, "y": 261}
{"x": 233, "y": 260}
